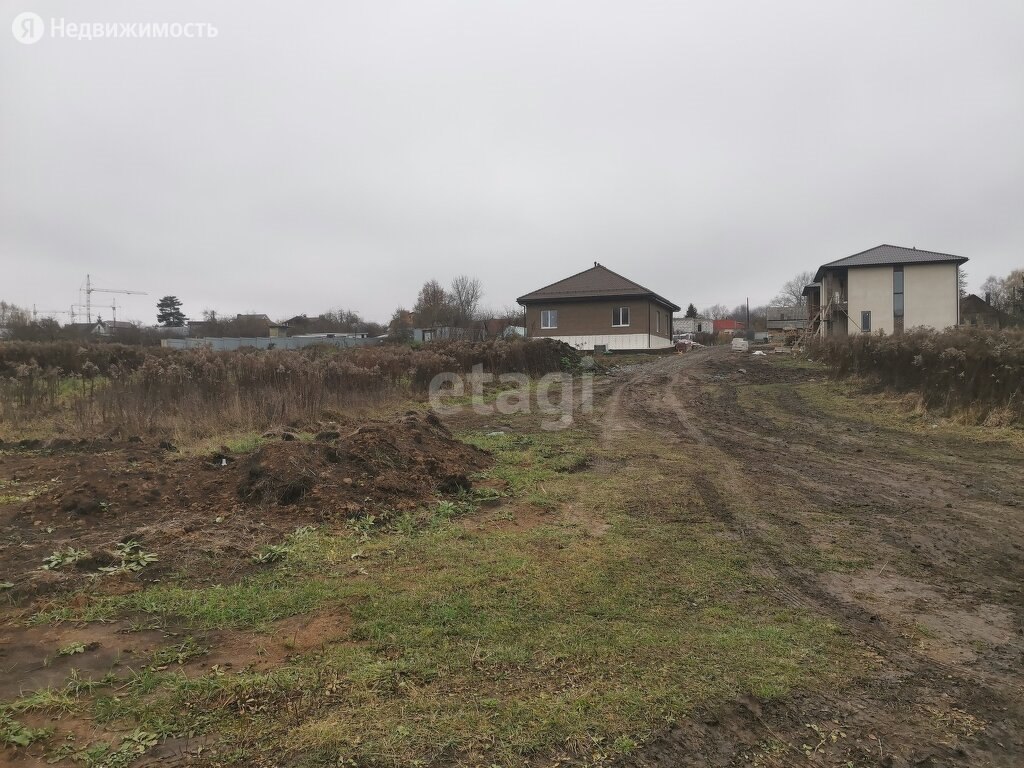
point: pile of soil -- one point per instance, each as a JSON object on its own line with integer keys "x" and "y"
{"x": 393, "y": 464}
{"x": 207, "y": 515}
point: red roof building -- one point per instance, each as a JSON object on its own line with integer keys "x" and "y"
{"x": 728, "y": 326}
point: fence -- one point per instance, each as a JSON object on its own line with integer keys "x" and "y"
{"x": 223, "y": 344}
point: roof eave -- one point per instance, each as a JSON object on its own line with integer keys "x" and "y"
{"x": 958, "y": 260}
{"x": 534, "y": 299}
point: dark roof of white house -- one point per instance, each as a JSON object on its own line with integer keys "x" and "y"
{"x": 882, "y": 255}
{"x": 598, "y": 282}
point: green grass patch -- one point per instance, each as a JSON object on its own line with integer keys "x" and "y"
{"x": 252, "y": 603}
{"x": 14, "y": 734}
{"x": 494, "y": 647}
{"x": 796, "y": 362}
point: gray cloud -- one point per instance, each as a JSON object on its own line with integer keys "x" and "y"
{"x": 339, "y": 154}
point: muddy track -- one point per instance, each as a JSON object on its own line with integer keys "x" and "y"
{"x": 937, "y": 527}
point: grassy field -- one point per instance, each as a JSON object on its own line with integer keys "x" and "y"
{"x": 578, "y": 609}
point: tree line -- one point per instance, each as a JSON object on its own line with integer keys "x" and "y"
{"x": 1006, "y": 293}
{"x": 460, "y": 305}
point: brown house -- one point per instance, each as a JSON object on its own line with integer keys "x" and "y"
{"x": 977, "y": 312}
{"x": 600, "y": 310}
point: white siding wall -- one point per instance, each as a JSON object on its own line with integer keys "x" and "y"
{"x": 692, "y": 325}
{"x": 931, "y": 295}
{"x": 870, "y": 289}
{"x": 616, "y": 341}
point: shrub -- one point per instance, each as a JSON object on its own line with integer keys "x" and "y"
{"x": 200, "y": 392}
{"x": 962, "y": 370}
{"x": 70, "y": 356}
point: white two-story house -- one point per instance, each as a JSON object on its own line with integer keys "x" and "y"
{"x": 887, "y": 288}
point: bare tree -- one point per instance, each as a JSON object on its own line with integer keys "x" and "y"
{"x": 24, "y": 328}
{"x": 400, "y": 326}
{"x": 433, "y": 305}
{"x": 716, "y": 312}
{"x": 1013, "y": 294}
{"x": 995, "y": 291}
{"x": 1005, "y": 293}
{"x": 514, "y": 315}
{"x": 465, "y": 295}
{"x": 792, "y": 293}
{"x": 11, "y": 314}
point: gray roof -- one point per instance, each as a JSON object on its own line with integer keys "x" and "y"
{"x": 882, "y": 255}
{"x": 598, "y": 282}
{"x": 786, "y": 313}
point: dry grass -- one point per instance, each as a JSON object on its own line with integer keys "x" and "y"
{"x": 975, "y": 374}
{"x": 196, "y": 394}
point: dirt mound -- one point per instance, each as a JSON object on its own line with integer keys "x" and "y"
{"x": 395, "y": 464}
{"x": 207, "y": 515}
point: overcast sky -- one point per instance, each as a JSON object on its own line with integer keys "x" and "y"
{"x": 338, "y": 154}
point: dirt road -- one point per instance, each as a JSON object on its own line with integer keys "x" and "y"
{"x": 909, "y": 538}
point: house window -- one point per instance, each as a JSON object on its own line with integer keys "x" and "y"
{"x": 657, "y": 322}
{"x": 620, "y": 317}
{"x": 897, "y": 299}
{"x": 549, "y": 318}
{"x": 865, "y": 321}
{"x": 897, "y": 291}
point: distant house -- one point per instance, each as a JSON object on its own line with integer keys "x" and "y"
{"x": 113, "y": 327}
{"x": 298, "y": 323}
{"x": 473, "y": 332}
{"x": 105, "y": 328}
{"x": 257, "y": 324}
{"x": 728, "y": 325}
{"x": 599, "y": 309}
{"x": 85, "y": 329}
{"x": 786, "y": 318}
{"x": 477, "y": 330}
{"x": 681, "y": 325}
{"x": 978, "y": 313}
{"x": 199, "y": 328}
{"x": 332, "y": 335}
{"x": 887, "y": 288}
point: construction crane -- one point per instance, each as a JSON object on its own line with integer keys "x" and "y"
{"x": 90, "y": 290}
{"x": 111, "y": 306}
{"x": 49, "y": 312}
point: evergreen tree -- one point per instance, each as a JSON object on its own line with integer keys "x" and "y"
{"x": 168, "y": 312}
